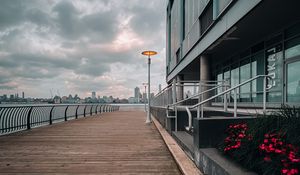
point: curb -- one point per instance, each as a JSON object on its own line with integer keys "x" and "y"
{"x": 185, "y": 164}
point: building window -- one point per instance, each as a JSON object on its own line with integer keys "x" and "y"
{"x": 257, "y": 68}
{"x": 292, "y": 48}
{"x": 206, "y": 18}
{"x": 245, "y": 74}
{"x": 177, "y": 56}
{"x": 234, "y": 79}
{"x": 293, "y": 82}
{"x": 221, "y": 5}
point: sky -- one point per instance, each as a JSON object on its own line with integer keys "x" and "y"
{"x": 79, "y": 46}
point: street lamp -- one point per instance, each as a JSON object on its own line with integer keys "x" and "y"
{"x": 149, "y": 53}
{"x": 145, "y": 98}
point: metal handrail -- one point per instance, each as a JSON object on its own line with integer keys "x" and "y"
{"x": 196, "y": 95}
{"x": 233, "y": 88}
{"x": 235, "y": 97}
{"x": 20, "y": 117}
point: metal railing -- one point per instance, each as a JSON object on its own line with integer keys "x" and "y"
{"x": 175, "y": 104}
{"x": 200, "y": 104}
{"x": 20, "y": 117}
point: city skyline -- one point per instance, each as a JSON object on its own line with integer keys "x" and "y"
{"x": 76, "y": 47}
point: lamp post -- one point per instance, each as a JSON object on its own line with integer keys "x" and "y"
{"x": 149, "y": 53}
{"x": 145, "y": 98}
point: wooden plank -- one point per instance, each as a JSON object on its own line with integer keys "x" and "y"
{"x": 110, "y": 143}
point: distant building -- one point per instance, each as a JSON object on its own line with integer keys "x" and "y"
{"x": 144, "y": 97}
{"x": 93, "y": 95}
{"x": 137, "y": 94}
{"x": 131, "y": 100}
{"x": 56, "y": 100}
{"x": 159, "y": 87}
{"x": 23, "y": 95}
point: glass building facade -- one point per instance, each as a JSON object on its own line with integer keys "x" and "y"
{"x": 239, "y": 40}
{"x": 278, "y": 57}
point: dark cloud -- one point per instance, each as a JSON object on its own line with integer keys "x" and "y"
{"x": 147, "y": 19}
{"x": 38, "y": 17}
{"x": 11, "y": 13}
{"x": 99, "y": 26}
{"x": 56, "y": 43}
{"x": 7, "y": 87}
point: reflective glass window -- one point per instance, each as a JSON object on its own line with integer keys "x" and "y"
{"x": 234, "y": 80}
{"x": 245, "y": 74}
{"x": 293, "y": 82}
{"x": 292, "y": 48}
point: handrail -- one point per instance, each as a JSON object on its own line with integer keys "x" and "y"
{"x": 224, "y": 93}
{"x": 230, "y": 89}
{"x": 196, "y": 95}
{"x": 20, "y": 117}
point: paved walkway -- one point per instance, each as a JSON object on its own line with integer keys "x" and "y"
{"x": 112, "y": 143}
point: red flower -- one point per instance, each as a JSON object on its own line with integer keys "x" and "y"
{"x": 267, "y": 159}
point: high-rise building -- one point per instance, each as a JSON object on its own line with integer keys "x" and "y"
{"x": 23, "y": 95}
{"x": 159, "y": 87}
{"x": 93, "y": 95}
{"x": 137, "y": 94}
{"x": 144, "y": 97}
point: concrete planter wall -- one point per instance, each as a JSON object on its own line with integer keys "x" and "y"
{"x": 209, "y": 132}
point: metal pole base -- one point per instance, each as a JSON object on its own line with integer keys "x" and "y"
{"x": 148, "y": 120}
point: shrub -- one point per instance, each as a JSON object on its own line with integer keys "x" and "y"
{"x": 268, "y": 144}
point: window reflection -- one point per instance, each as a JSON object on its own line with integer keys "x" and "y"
{"x": 293, "y": 82}
{"x": 245, "y": 89}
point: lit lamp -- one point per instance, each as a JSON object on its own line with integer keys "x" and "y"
{"x": 149, "y": 53}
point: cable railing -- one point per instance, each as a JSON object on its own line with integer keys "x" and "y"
{"x": 20, "y": 117}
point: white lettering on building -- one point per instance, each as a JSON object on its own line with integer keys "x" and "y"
{"x": 271, "y": 67}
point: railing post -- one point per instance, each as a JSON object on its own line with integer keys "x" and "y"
{"x": 84, "y": 111}
{"x": 91, "y": 112}
{"x": 28, "y": 118}
{"x": 264, "y": 94}
{"x": 199, "y": 99}
{"x": 76, "y": 113}
{"x": 225, "y": 97}
{"x": 96, "y": 109}
{"x": 51, "y": 116}
{"x": 66, "y": 113}
{"x": 235, "y": 102}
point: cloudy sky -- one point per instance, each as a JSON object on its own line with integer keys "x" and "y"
{"x": 80, "y": 46}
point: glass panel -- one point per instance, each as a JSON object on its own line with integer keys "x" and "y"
{"x": 245, "y": 75}
{"x": 292, "y": 48}
{"x": 274, "y": 69}
{"x": 258, "y": 68}
{"x": 293, "y": 82}
{"x": 206, "y": 18}
{"x": 219, "y": 90}
{"x": 234, "y": 80}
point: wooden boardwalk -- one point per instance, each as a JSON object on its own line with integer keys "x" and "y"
{"x": 112, "y": 143}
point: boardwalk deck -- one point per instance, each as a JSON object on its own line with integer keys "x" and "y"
{"x": 114, "y": 143}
